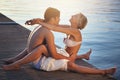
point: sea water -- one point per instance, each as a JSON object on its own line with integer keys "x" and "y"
{"x": 102, "y": 33}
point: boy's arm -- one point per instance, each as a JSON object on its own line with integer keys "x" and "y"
{"x": 33, "y": 21}
{"x": 52, "y": 48}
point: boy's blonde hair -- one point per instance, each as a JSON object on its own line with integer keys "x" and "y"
{"x": 82, "y": 21}
{"x": 51, "y": 13}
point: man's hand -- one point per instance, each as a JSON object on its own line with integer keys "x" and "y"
{"x": 33, "y": 21}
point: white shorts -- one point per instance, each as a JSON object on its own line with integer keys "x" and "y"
{"x": 51, "y": 64}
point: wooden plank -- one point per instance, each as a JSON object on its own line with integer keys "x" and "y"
{"x": 13, "y": 39}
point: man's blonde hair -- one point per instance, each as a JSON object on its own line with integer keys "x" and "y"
{"x": 51, "y": 13}
{"x": 82, "y": 21}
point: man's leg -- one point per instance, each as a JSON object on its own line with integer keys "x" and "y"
{"x": 82, "y": 69}
{"x": 33, "y": 55}
{"x": 17, "y": 57}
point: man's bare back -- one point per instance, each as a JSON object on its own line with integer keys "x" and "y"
{"x": 39, "y": 36}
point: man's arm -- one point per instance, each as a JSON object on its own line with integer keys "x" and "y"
{"x": 52, "y": 47}
{"x": 34, "y": 21}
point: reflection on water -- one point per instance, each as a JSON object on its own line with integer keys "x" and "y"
{"x": 101, "y": 34}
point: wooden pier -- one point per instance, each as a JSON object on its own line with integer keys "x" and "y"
{"x": 13, "y": 38}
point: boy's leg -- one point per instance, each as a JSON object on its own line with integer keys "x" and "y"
{"x": 17, "y": 57}
{"x": 33, "y": 55}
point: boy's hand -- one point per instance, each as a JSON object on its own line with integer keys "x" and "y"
{"x": 33, "y": 21}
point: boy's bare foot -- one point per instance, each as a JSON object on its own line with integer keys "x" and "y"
{"x": 110, "y": 71}
{"x": 10, "y": 67}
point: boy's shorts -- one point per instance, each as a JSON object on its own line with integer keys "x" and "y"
{"x": 51, "y": 64}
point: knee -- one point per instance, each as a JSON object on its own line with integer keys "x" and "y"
{"x": 40, "y": 48}
{"x": 70, "y": 64}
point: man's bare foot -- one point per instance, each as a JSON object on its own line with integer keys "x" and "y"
{"x": 10, "y": 67}
{"x": 110, "y": 71}
{"x": 87, "y": 55}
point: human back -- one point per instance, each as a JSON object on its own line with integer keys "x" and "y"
{"x": 41, "y": 35}
{"x": 38, "y": 37}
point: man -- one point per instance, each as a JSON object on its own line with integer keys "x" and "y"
{"x": 45, "y": 36}
{"x": 39, "y": 36}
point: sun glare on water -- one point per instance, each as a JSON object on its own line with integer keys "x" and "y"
{"x": 26, "y": 9}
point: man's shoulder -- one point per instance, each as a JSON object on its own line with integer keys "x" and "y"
{"x": 47, "y": 31}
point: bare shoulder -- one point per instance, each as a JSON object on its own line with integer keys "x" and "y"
{"x": 76, "y": 32}
{"x": 47, "y": 32}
